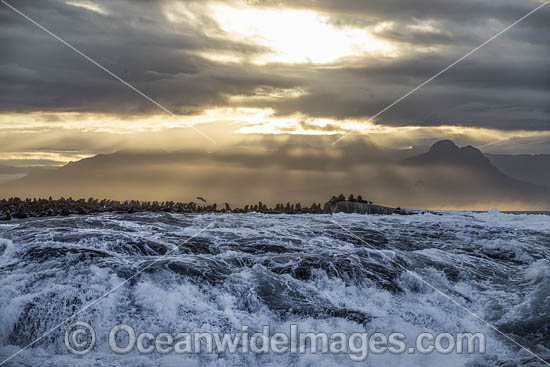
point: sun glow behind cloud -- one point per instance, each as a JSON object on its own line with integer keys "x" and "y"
{"x": 240, "y": 120}
{"x": 287, "y": 35}
{"x": 296, "y": 36}
{"x": 235, "y": 120}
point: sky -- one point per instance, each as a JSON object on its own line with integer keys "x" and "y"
{"x": 238, "y": 70}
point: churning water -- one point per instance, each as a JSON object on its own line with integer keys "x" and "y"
{"x": 255, "y": 269}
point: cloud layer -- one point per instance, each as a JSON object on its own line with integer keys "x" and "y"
{"x": 300, "y": 66}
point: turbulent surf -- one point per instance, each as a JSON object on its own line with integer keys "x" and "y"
{"x": 453, "y": 272}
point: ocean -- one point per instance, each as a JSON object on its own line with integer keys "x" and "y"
{"x": 446, "y": 272}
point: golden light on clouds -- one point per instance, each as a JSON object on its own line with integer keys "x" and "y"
{"x": 303, "y": 125}
{"x": 29, "y": 139}
{"x": 88, "y": 5}
{"x": 57, "y": 158}
{"x": 241, "y": 120}
{"x": 269, "y": 94}
{"x": 296, "y": 36}
{"x": 235, "y": 121}
{"x": 287, "y": 35}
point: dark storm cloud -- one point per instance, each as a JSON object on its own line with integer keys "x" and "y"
{"x": 505, "y": 85}
{"x": 39, "y": 73}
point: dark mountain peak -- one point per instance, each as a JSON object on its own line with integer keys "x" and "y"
{"x": 471, "y": 154}
{"x": 468, "y": 149}
{"x": 444, "y": 146}
{"x": 446, "y": 152}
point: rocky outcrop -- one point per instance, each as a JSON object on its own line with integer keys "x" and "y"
{"x": 357, "y": 207}
{"x": 21, "y": 209}
{"x": 6, "y": 216}
{"x": 339, "y": 204}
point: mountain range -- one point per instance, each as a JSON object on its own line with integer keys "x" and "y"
{"x": 467, "y": 173}
{"x": 445, "y": 176}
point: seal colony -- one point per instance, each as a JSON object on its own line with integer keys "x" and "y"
{"x": 16, "y": 208}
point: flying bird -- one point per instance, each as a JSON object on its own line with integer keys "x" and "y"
{"x": 201, "y": 199}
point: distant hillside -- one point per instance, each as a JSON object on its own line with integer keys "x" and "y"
{"x": 10, "y": 173}
{"x": 445, "y": 177}
{"x": 298, "y": 170}
{"x": 467, "y": 173}
{"x": 448, "y": 153}
{"x": 534, "y": 168}
{"x": 7, "y": 170}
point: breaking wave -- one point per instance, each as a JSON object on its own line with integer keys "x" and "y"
{"x": 256, "y": 269}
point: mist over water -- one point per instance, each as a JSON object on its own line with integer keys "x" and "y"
{"x": 300, "y": 170}
{"x": 255, "y": 269}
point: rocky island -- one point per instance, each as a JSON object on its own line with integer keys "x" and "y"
{"x": 16, "y": 208}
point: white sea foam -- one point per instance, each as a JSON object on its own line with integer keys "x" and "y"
{"x": 258, "y": 269}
